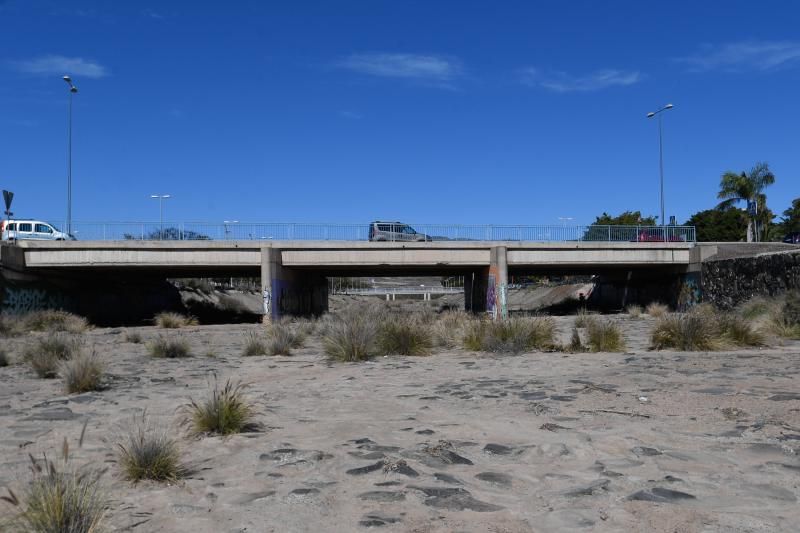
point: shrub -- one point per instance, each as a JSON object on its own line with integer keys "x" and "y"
{"x": 61, "y": 498}
{"x": 791, "y": 308}
{"x": 351, "y": 336}
{"x": 634, "y": 310}
{"x": 604, "y": 336}
{"x": 738, "y": 331}
{"x": 404, "y": 335}
{"x": 82, "y": 373}
{"x": 223, "y": 413}
{"x": 170, "y": 348}
{"x": 174, "y": 320}
{"x": 583, "y": 317}
{"x": 656, "y": 309}
{"x": 755, "y": 307}
{"x": 148, "y": 452}
{"x": 687, "y": 332}
{"x": 254, "y": 344}
{"x": 282, "y": 339}
{"x": 46, "y": 353}
{"x": 575, "y": 344}
{"x": 54, "y": 320}
{"x": 9, "y": 326}
{"x": 450, "y": 327}
{"x": 514, "y": 335}
{"x": 133, "y": 337}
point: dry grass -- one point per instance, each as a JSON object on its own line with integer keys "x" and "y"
{"x": 53, "y": 320}
{"x": 254, "y": 344}
{"x": 705, "y": 329}
{"x": 514, "y": 335}
{"x": 174, "y": 320}
{"x": 61, "y": 498}
{"x": 170, "y": 348}
{"x": 407, "y": 334}
{"x": 604, "y": 336}
{"x": 351, "y": 336}
{"x": 147, "y": 451}
{"x": 224, "y": 412}
{"x": 656, "y": 309}
{"x": 134, "y": 337}
{"x": 282, "y": 339}
{"x": 634, "y": 311}
{"x": 45, "y": 354}
{"x": 82, "y": 373}
{"x": 575, "y": 343}
{"x": 583, "y": 317}
{"x": 449, "y": 329}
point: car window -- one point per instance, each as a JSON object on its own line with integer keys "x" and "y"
{"x": 43, "y": 228}
{"x": 12, "y": 227}
{"x": 25, "y": 227}
{"x": 408, "y": 230}
{"x": 383, "y": 227}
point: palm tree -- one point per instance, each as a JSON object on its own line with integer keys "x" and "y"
{"x": 747, "y": 187}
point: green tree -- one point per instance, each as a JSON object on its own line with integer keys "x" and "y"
{"x": 598, "y": 232}
{"x": 728, "y": 224}
{"x": 749, "y": 187}
{"x": 790, "y": 221}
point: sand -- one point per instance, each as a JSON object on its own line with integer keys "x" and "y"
{"x": 458, "y": 441}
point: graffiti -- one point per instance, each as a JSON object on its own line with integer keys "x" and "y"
{"x": 502, "y": 297}
{"x": 267, "y": 301}
{"x": 23, "y": 300}
{"x": 689, "y": 294}
{"x": 491, "y": 297}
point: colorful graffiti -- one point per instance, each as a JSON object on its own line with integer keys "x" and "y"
{"x": 689, "y": 293}
{"x": 18, "y": 300}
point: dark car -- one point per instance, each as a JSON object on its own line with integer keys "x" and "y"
{"x": 792, "y": 238}
{"x": 654, "y": 235}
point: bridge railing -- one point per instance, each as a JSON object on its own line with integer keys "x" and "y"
{"x": 360, "y": 232}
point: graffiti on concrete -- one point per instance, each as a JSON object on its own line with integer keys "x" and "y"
{"x": 502, "y": 296}
{"x": 689, "y": 294}
{"x": 18, "y": 300}
{"x": 491, "y": 297}
{"x": 267, "y": 301}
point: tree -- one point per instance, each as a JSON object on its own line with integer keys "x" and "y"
{"x": 169, "y": 234}
{"x": 790, "y": 221}
{"x": 748, "y": 187}
{"x": 719, "y": 225}
{"x": 597, "y": 231}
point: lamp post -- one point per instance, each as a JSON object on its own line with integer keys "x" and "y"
{"x": 72, "y": 91}
{"x": 660, "y": 155}
{"x": 161, "y": 198}
{"x": 225, "y": 224}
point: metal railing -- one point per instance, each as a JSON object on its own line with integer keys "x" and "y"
{"x": 361, "y": 232}
{"x": 380, "y": 291}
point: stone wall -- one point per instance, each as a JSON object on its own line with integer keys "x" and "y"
{"x": 729, "y": 282}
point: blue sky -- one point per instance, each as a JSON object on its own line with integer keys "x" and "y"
{"x": 515, "y": 112}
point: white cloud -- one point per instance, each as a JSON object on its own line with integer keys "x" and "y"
{"x": 745, "y": 55}
{"x": 350, "y": 115}
{"x": 55, "y": 65}
{"x": 409, "y": 66}
{"x": 562, "y": 82}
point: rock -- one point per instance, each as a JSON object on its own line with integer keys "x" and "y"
{"x": 644, "y": 451}
{"x": 497, "y": 449}
{"x": 304, "y": 492}
{"x": 784, "y": 397}
{"x": 660, "y": 495}
{"x": 495, "y": 478}
{"x": 382, "y": 496}
{"x": 58, "y": 413}
{"x": 365, "y": 469}
{"x": 588, "y": 490}
{"x": 454, "y": 499}
{"x": 446, "y": 478}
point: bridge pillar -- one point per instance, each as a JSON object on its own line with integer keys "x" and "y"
{"x": 475, "y": 284}
{"x": 497, "y": 284}
{"x": 288, "y": 291}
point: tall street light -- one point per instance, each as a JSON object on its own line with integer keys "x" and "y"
{"x": 161, "y": 198}
{"x": 72, "y": 91}
{"x": 660, "y": 155}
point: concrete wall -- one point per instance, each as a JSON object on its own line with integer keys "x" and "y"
{"x": 729, "y": 282}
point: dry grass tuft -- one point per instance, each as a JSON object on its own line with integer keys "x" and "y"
{"x": 634, "y": 311}
{"x": 170, "y": 348}
{"x": 174, "y": 320}
{"x": 82, "y": 373}
{"x": 449, "y": 329}
{"x": 61, "y": 498}
{"x": 148, "y": 452}
{"x": 705, "y": 329}
{"x": 405, "y": 335}
{"x": 282, "y": 340}
{"x": 351, "y": 336}
{"x": 134, "y": 337}
{"x": 45, "y": 354}
{"x": 514, "y": 335}
{"x": 53, "y": 320}
{"x": 225, "y": 412}
{"x": 583, "y": 317}
{"x": 604, "y": 336}
{"x": 656, "y": 309}
{"x": 254, "y": 344}
{"x": 575, "y": 343}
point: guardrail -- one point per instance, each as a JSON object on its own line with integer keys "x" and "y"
{"x": 398, "y": 290}
{"x": 360, "y": 232}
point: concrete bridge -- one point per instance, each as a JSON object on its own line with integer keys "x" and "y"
{"x": 293, "y": 273}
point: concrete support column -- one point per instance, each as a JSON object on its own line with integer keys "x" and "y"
{"x": 270, "y": 272}
{"x": 496, "y": 295}
{"x": 286, "y": 291}
{"x": 475, "y": 285}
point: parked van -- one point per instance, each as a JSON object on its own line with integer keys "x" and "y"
{"x": 31, "y": 230}
{"x": 394, "y": 231}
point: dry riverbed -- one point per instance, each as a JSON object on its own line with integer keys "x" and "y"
{"x": 458, "y": 441}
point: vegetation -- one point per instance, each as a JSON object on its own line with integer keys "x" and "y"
{"x": 790, "y": 219}
{"x": 61, "y": 498}
{"x": 82, "y": 373}
{"x": 604, "y": 336}
{"x": 46, "y": 353}
{"x": 254, "y": 344}
{"x": 282, "y": 340}
{"x": 52, "y": 320}
{"x": 749, "y": 187}
{"x": 634, "y": 310}
{"x": 405, "y": 335}
{"x": 583, "y": 317}
{"x": 351, "y": 336}
{"x": 656, "y": 309}
{"x": 515, "y": 335}
{"x": 575, "y": 344}
{"x": 628, "y": 218}
{"x": 449, "y": 329}
{"x": 148, "y": 452}
{"x": 722, "y": 224}
{"x": 705, "y": 329}
{"x": 133, "y": 337}
{"x": 168, "y": 320}
{"x": 225, "y": 412}
{"x": 168, "y": 234}
{"x": 170, "y": 348}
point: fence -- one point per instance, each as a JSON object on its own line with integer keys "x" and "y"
{"x": 361, "y": 232}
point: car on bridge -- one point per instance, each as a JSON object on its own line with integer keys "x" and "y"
{"x": 395, "y": 231}
{"x": 11, "y": 230}
{"x": 658, "y": 235}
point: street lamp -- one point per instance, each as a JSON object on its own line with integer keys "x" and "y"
{"x": 660, "y": 154}
{"x": 72, "y": 91}
{"x": 161, "y": 198}
{"x": 225, "y": 224}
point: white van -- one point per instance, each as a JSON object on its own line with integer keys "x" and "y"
{"x": 31, "y": 230}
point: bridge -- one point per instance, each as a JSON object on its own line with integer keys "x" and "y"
{"x": 293, "y": 273}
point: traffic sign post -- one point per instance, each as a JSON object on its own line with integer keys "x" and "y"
{"x": 8, "y": 196}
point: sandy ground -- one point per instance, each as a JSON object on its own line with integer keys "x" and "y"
{"x": 640, "y": 441}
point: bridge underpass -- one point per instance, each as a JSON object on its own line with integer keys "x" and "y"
{"x": 293, "y": 273}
